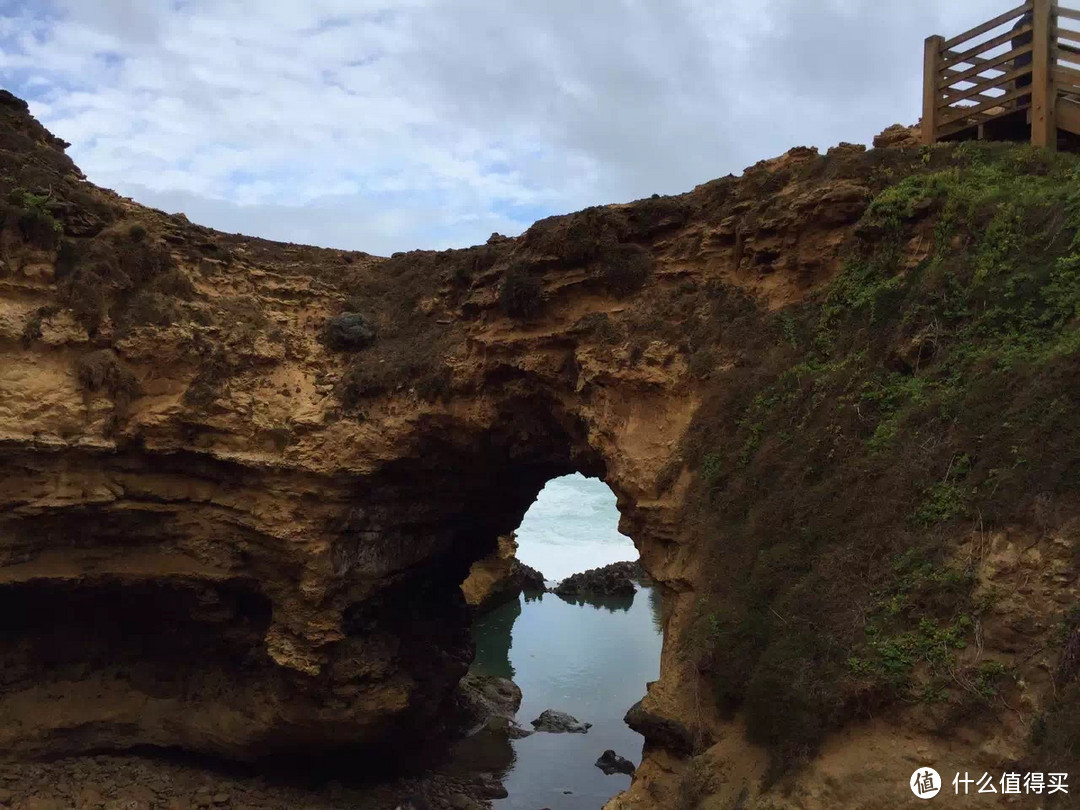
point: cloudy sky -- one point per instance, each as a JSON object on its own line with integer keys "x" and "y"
{"x": 386, "y": 125}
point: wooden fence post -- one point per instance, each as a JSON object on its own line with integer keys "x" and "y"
{"x": 1043, "y": 94}
{"x": 931, "y": 96}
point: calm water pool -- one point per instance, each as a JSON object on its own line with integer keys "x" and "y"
{"x": 591, "y": 660}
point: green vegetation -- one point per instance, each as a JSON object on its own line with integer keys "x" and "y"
{"x": 626, "y": 268}
{"x": 348, "y": 332}
{"x": 35, "y": 220}
{"x": 521, "y": 293}
{"x": 409, "y": 345}
{"x": 879, "y": 423}
{"x": 132, "y": 280}
{"x": 103, "y": 371}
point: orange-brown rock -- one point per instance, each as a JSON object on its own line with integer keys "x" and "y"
{"x": 898, "y": 137}
{"x": 499, "y": 577}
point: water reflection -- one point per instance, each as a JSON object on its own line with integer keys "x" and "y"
{"x": 493, "y": 634}
{"x": 589, "y": 658}
{"x": 609, "y": 603}
{"x": 656, "y": 604}
{"x": 483, "y": 752}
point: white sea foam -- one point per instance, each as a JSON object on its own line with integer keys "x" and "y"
{"x": 572, "y": 526}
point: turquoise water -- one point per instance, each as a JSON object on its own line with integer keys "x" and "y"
{"x": 572, "y": 526}
{"x": 592, "y": 660}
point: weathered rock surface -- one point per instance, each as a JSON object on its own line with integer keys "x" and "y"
{"x": 898, "y": 136}
{"x": 556, "y": 722}
{"x": 664, "y": 732}
{"x": 616, "y": 579}
{"x": 490, "y": 703}
{"x": 500, "y": 577}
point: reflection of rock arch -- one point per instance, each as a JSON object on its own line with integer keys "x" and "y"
{"x": 493, "y": 634}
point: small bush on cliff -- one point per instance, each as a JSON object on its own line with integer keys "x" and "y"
{"x": 32, "y": 331}
{"x": 404, "y": 339}
{"x": 134, "y": 282}
{"x": 878, "y": 426}
{"x": 348, "y": 332}
{"x": 626, "y": 268}
{"x": 576, "y": 239}
{"x": 104, "y": 371}
{"x": 521, "y": 293}
{"x": 36, "y": 223}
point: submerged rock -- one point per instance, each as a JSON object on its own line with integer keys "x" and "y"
{"x": 610, "y": 762}
{"x": 559, "y": 723}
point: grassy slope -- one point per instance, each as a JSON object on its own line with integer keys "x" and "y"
{"x": 876, "y": 425}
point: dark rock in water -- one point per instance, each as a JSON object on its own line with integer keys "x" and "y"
{"x": 610, "y": 763}
{"x": 616, "y": 579}
{"x": 531, "y": 580}
{"x": 489, "y": 703}
{"x": 560, "y": 722}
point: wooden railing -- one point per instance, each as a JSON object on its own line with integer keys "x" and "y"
{"x": 1025, "y": 59}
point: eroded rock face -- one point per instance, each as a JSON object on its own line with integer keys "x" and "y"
{"x": 223, "y": 528}
{"x": 499, "y": 578}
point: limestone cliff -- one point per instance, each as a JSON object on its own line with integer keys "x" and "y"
{"x": 243, "y": 481}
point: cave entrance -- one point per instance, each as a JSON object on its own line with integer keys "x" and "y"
{"x": 589, "y": 655}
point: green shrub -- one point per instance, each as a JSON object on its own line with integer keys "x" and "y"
{"x": 32, "y": 329}
{"x": 521, "y": 293}
{"x": 136, "y": 233}
{"x": 348, "y": 332}
{"x": 36, "y": 223}
{"x": 84, "y": 293}
{"x": 68, "y": 255}
{"x": 103, "y": 371}
{"x": 626, "y": 268}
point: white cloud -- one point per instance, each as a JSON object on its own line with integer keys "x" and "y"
{"x": 430, "y": 123}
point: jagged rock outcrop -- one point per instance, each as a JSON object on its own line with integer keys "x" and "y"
{"x": 556, "y": 722}
{"x": 500, "y": 577}
{"x": 228, "y": 528}
{"x": 616, "y": 579}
